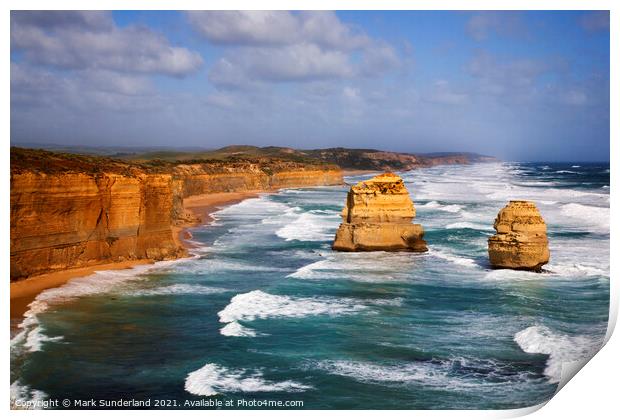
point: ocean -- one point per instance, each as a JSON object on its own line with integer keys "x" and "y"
{"x": 264, "y": 310}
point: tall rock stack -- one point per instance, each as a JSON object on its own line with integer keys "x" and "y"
{"x": 521, "y": 240}
{"x": 378, "y": 216}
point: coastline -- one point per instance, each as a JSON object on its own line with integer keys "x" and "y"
{"x": 23, "y": 292}
{"x": 200, "y": 207}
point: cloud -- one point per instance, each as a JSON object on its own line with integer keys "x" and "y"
{"x": 91, "y": 40}
{"x": 49, "y": 20}
{"x": 300, "y": 62}
{"x": 482, "y": 25}
{"x": 279, "y": 46}
{"x": 595, "y": 21}
{"x": 81, "y": 91}
{"x": 261, "y": 28}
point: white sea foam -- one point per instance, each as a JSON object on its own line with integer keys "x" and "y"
{"x": 35, "y": 339}
{"x": 468, "y": 225}
{"x": 258, "y": 304}
{"x": 566, "y": 172}
{"x": 370, "y": 372}
{"x": 589, "y": 216}
{"x": 31, "y": 336}
{"x": 561, "y": 348}
{"x": 234, "y": 329}
{"x": 310, "y": 227}
{"x": 368, "y": 267}
{"x": 252, "y": 207}
{"x": 316, "y": 270}
{"x": 455, "y": 259}
{"x": 575, "y": 269}
{"x": 576, "y": 166}
{"x": 25, "y": 398}
{"x": 434, "y": 373}
{"x": 179, "y": 289}
{"x": 514, "y": 275}
{"x": 450, "y": 208}
{"x": 213, "y": 379}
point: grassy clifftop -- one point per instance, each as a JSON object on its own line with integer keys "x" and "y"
{"x": 44, "y": 161}
{"x": 361, "y": 159}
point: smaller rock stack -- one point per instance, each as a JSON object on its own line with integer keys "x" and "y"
{"x": 521, "y": 240}
{"x": 378, "y": 216}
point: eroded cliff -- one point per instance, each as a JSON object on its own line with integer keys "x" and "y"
{"x": 378, "y": 216}
{"x": 70, "y": 211}
{"x": 521, "y": 240}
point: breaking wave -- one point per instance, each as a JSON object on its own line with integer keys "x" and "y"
{"x": 257, "y": 304}
{"x": 212, "y": 379}
{"x": 234, "y": 329}
{"x": 561, "y": 348}
{"x": 450, "y": 208}
{"x": 310, "y": 227}
{"x": 591, "y": 216}
{"x": 180, "y": 289}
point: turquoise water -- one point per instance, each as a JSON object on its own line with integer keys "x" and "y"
{"x": 266, "y": 310}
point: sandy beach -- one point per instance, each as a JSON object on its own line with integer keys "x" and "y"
{"x": 201, "y": 206}
{"x": 24, "y": 291}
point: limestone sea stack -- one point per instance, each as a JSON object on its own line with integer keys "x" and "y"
{"x": 521, "y": 240}
{"x": 378, "y": 216}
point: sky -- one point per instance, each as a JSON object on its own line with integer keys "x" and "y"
{"x": 519, "y": 85}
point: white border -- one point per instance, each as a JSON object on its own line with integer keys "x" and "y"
{"x": 594, "y": 393}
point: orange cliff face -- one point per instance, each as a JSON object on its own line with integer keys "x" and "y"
{"x": 199, "y": 179}
{"x": 67, "y": 213}
{"x": 61, "y": 221}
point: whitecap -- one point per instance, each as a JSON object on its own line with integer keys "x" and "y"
{"x": 455, "y": 259}
{"x": 468, "y": 225}
{"x": 212, "y": 379}
{"x": 366, "y": 267}
{"x": 234, "y": 329}
{"x": 433, "y": 373}
{"x": 588, "y": 216}
{"x": 258, "y": 304}
{"x": 310, "y": 227}
{"x": 35, "y": 338}
{"x": 179, "y": 289}
{"x": 566, "y": 172}
{"x": 451, "y": 208}
{"x": 561, "y": 348}
{"x": 573, "y": 269}
{"x": 576, "y": 166}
